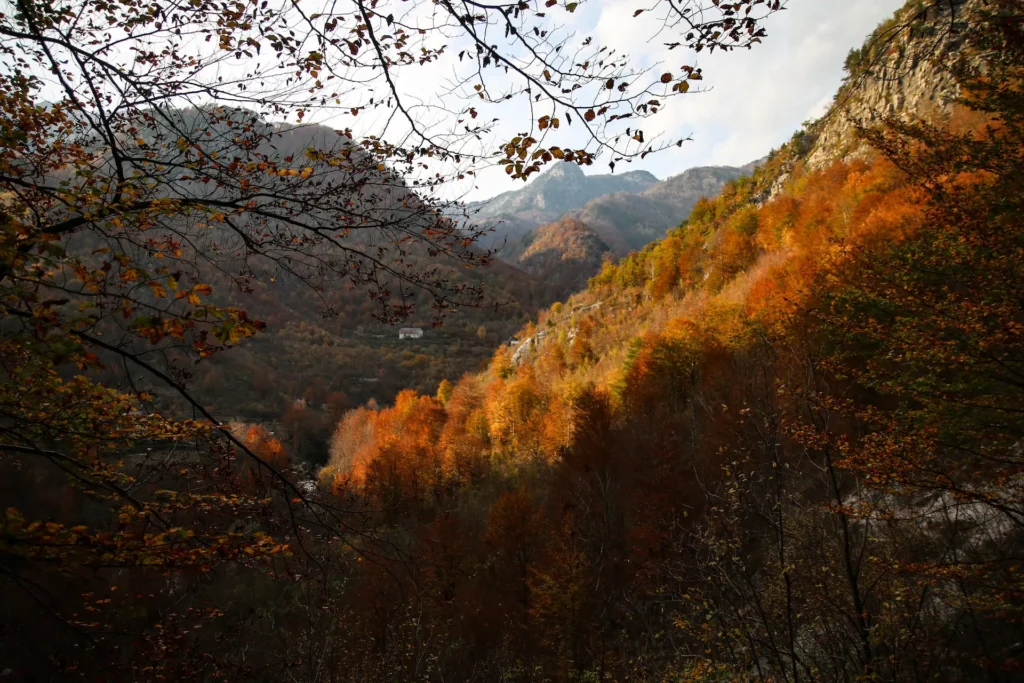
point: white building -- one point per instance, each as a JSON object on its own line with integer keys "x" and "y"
{"x": 410, "y": 333}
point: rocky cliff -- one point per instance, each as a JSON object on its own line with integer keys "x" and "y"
{"x": 902, "y": 70}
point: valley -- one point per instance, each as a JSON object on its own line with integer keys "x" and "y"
{"x": 271, "y": 409}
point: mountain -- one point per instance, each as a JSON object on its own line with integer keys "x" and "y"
{"x": 614, "y": 224}
{"x": 782, "y": 443}
{"x": 563, "y": 188}
{"x": 627, "y": 222}
{"x": 625, "y": 211}
{"x": 622, "y": 212}
{"x": 358, "y": 358}
{"x": 902, "y": 71}
{"x": 563, "y": 254}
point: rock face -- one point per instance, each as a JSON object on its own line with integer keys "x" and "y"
{"x": 907, "y": 76}
{"x": 902, "y": 71}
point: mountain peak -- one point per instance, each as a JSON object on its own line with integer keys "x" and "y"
{"x": 565, "y": 169}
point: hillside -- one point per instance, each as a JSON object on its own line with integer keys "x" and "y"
{"x": 787, "y": 434}
{"x": 563, "y": 255}
{"x": 627, "y": 222}
{"x": 626, "y": 210}
{"x": 358, "y": 357}
{"x": 350, "y": 315}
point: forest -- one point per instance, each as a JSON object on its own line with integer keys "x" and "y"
{"x": 783, "y": 443}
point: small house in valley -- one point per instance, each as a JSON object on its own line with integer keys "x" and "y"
{"x": 410, "y": 333}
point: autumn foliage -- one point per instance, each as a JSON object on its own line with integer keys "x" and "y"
{"x": 781, "y": 444}
{"x": 785, "y": 446}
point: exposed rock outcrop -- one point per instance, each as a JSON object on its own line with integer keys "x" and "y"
{"x": 902, "y": 70}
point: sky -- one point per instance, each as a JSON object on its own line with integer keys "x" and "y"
{"x": 751, "y": 102}
{"x": 755, "y": 100}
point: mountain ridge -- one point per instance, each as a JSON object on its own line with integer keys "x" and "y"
{"x": 561, "y": 188}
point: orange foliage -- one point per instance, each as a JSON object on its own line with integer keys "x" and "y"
{"x": 515, "y": 412}
{"x": 266, "y": 446}
{"x": 775, "y": 220}
{"x": 464, "y": 439}
{"x": 708, "y": 429}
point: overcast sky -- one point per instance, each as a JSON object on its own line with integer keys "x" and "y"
{"x": 757, "y": 98}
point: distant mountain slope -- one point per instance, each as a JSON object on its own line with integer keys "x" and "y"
{"x": 564, "y": 255}
{"x": 562, "y": 189}
{"x": 355, "y": 356}
{"x": 627, "y": 222}
{"x": 566, "y": 252}
{"x": 626, "y": 211}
